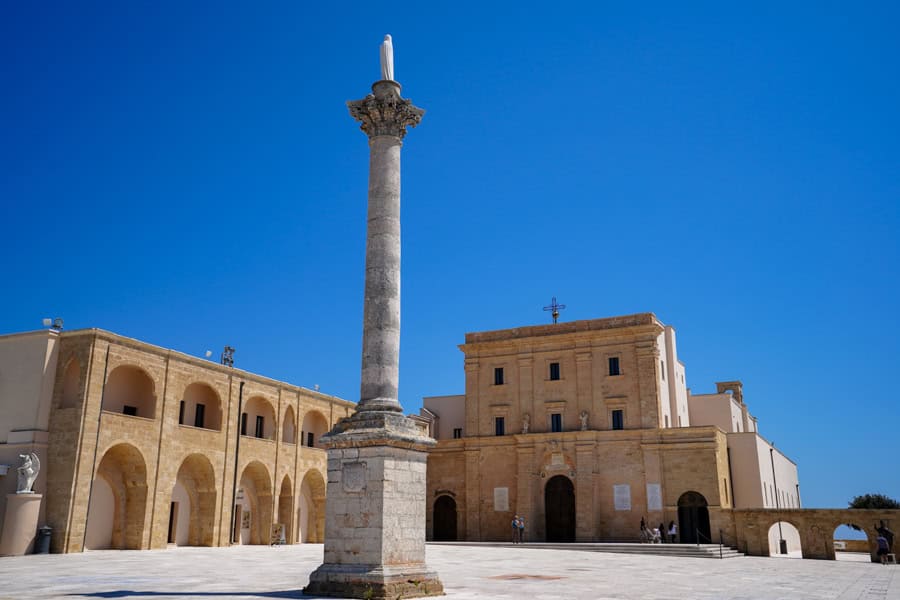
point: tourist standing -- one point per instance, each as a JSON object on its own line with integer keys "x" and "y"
{"x": 673, "y": 532}
{"x": 521, "y": 529}
{"x": 662, "y": 533}
{"x": 883, "y": 548}
{"x": 515, "y": 529}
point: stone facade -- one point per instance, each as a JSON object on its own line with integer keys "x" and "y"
{"x": 143, "y": 449}
{"x": 584, "y": 428}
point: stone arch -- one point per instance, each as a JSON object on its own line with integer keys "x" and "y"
{"x": 851, "y": 540}
{"x": 444, "y": 519}
{"x": 311, "y": 508}
{"x": 120, "y": 506}
{"x": 71, "y": 385}
{"x": 200, "y": 407}
{"x": 130, "y": 390}
{"x": 786, "y": 531}
{"x": 255, "y": 504}
{"x": 258, "y": 419}
{"x": 286, "y": 508}
{"x": 289, "y": 426}
{"x": 315, "y": 425}
{"x": 559, "y": 509}
{"x": 194, "y": 524}
{"x": 693, "y": 518}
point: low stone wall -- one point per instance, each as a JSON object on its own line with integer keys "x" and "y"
{"x": 851, "y": 545}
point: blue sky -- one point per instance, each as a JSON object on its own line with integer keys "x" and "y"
{"x": 188, "y": 174}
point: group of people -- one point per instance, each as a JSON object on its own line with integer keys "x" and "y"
{"x": 518, "y": 529}
{"x": 660, "y": 534}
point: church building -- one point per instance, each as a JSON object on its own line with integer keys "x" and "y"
{"x": 584, "y": 429}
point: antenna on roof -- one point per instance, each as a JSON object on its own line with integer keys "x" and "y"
{"x": 228, "y": 356}
{"x": 555, "y": 308}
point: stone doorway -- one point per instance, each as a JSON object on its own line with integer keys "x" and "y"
{"x": 693, "y": 519}
{"x": 559, "y": 509}
{"x": 444, "y": 519}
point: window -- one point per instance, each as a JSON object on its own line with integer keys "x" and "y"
{"x": 554, "y": 371}
{"x": 667, "y": 421}
{"x": 199, "y": 415}
{"x": 310, "y": 439}
{"x": 181, "y": 413}
{"x": 457, "y": 433}
{"x": 499, "y": 426}
{"x": 498, "y": 376}
{"x": 614, "y": 365}
{"x": 129, "y": 410}
{"x": 243, "y": 423}
{"x": 260, "y": 426}
{"x": 556, "y": 422}
{"x": 618, "y": 419}
{"x": 662, "y": 369}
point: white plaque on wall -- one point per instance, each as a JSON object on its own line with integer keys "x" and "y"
{"x": 654, "y": 497}
{"x": 622, "y": 496}
{"x": 501, "y": 499}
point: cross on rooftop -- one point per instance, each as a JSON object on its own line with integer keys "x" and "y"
{"x": 555, "y": 308}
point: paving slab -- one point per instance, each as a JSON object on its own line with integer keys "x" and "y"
{"x": 468, "y": 572}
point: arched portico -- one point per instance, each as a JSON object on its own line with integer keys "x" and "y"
{"x": 130, "y": 390}
{"x": 253, "y": 505}
{"x": 193, "y": 506}
{"x": 311, "y": 508}
{"x": 315, "y": 425}
{"x": 286, "y": 508}
{"x": 118, "y": 506}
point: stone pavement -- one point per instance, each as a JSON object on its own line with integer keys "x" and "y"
{"x": 468, "y": 572}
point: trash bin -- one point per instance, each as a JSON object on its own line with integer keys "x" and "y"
{"x": 42, "y": 541}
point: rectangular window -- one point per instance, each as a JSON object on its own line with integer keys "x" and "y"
{"x": 556, "y": 422}
{"x": 199, "y": 415}
{"x": 260, "y": 426}
{"x": 499, "y": 426}
{"x": 554, "y": 371}
{"x": 457, "y": 433}
{"x": 498, "y": 376}
{"x": 662, "y": 369}
{"x": 310, "y": 439}
{"x": 243, "y": 423}
{"x": 618, "y": 419}
{"x": 614, "y": 365}
{"x": 181, "y": 413}
{"x": 129, "y": 410}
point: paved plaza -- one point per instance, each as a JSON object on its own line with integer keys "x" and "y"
{"x": 468, "y": 572}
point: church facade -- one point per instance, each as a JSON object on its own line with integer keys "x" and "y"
{"x": 143, "y": 447}
{"x": 587, "y": 427}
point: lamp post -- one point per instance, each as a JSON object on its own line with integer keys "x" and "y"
{"x": 782, "y": 543}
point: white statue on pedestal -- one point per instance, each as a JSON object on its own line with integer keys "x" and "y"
{"x": 387, "y": 59}
{"x": 584, "y": 419}
{"x": 28, "y": 472}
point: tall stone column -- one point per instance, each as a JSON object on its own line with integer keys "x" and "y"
{"x": 375, "y": 498}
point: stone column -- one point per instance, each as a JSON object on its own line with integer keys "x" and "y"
{"x": 375, "y": 499}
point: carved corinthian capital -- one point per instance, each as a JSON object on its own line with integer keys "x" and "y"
{"x": 385, "y": 112}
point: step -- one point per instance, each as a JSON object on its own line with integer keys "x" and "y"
{"x": 684, "y": 550}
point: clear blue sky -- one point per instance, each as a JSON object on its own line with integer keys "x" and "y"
{"x": 187, "y": 174}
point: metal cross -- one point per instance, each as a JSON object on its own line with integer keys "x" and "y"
{"x": 555, "y": 308}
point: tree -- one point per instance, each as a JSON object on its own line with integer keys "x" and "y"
{"x": 874, "y": 501}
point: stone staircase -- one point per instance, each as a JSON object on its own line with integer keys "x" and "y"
{"x": 686, "y": 550}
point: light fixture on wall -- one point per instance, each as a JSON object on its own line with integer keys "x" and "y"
{"x": 55, "y": 323}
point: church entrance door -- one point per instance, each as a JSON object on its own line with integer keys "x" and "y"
{"x": 693, "y": 519}
{"x": 444, "y": 519}
{"x": 559, "y": 509}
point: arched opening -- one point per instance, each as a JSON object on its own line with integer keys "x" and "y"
{"x": 311, "y": 508}
{"x": 851, "y": 543}
{"x": 286, "y": 508}
{"x": 258, "y": 419}
{"x": 193, "y": 506}
{"x": 289, "y": 427}
{"x": 129, "y": 390}
{"x": 71, "y": 385}
{"x": 314, "y": 427}
{"x": 444, "y": 519}
{"x": 253, "y": 505}
{"x": 784, "y": 540}
{"x": 693, "y": 519}
{"x": 200, "y": 407}
{"x": 559, "y": 509}
{"x": 118, "y": 501}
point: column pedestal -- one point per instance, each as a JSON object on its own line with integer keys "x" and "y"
{"x": 375, "y": 511}
{"x": 20, "y": 524}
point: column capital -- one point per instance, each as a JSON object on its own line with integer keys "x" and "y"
{"x": 384, "y": 112}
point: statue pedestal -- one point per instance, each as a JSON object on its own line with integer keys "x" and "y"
{"x": 375, "y": 511}
{"x": 20, "y": 524}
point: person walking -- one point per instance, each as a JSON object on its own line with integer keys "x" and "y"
{"x": 883, "y": 548}
{"x": 662, "y": 533}
{"x": 521, "y": 530}
{"x": 515, "y": 529}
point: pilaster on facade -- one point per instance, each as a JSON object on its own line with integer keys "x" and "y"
{"x": 473, "y": 371}
{"x": 647, "y": 356}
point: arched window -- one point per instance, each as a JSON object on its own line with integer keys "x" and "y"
{"x": 129, "y": 390}
{"x": 258, "y": 419}
{"x": 200, "y": 407}
{"x": 289, "y": 427}
{"x": 71, "y": 385}
{"x": 314, "y": 427}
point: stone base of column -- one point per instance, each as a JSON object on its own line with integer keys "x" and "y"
{"x": 20, "y": 524}
{"x": 375, "y": 510}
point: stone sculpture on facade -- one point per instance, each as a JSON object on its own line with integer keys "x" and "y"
{"x": 526, "y": 422}
{"x": 387, "y": 59}
{"x": 584, "y": 420}
{"x": 28, "y": 472}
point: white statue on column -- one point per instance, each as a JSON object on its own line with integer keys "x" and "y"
{"x": 387, "y": 59}
{"x": 28, "y": 472}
